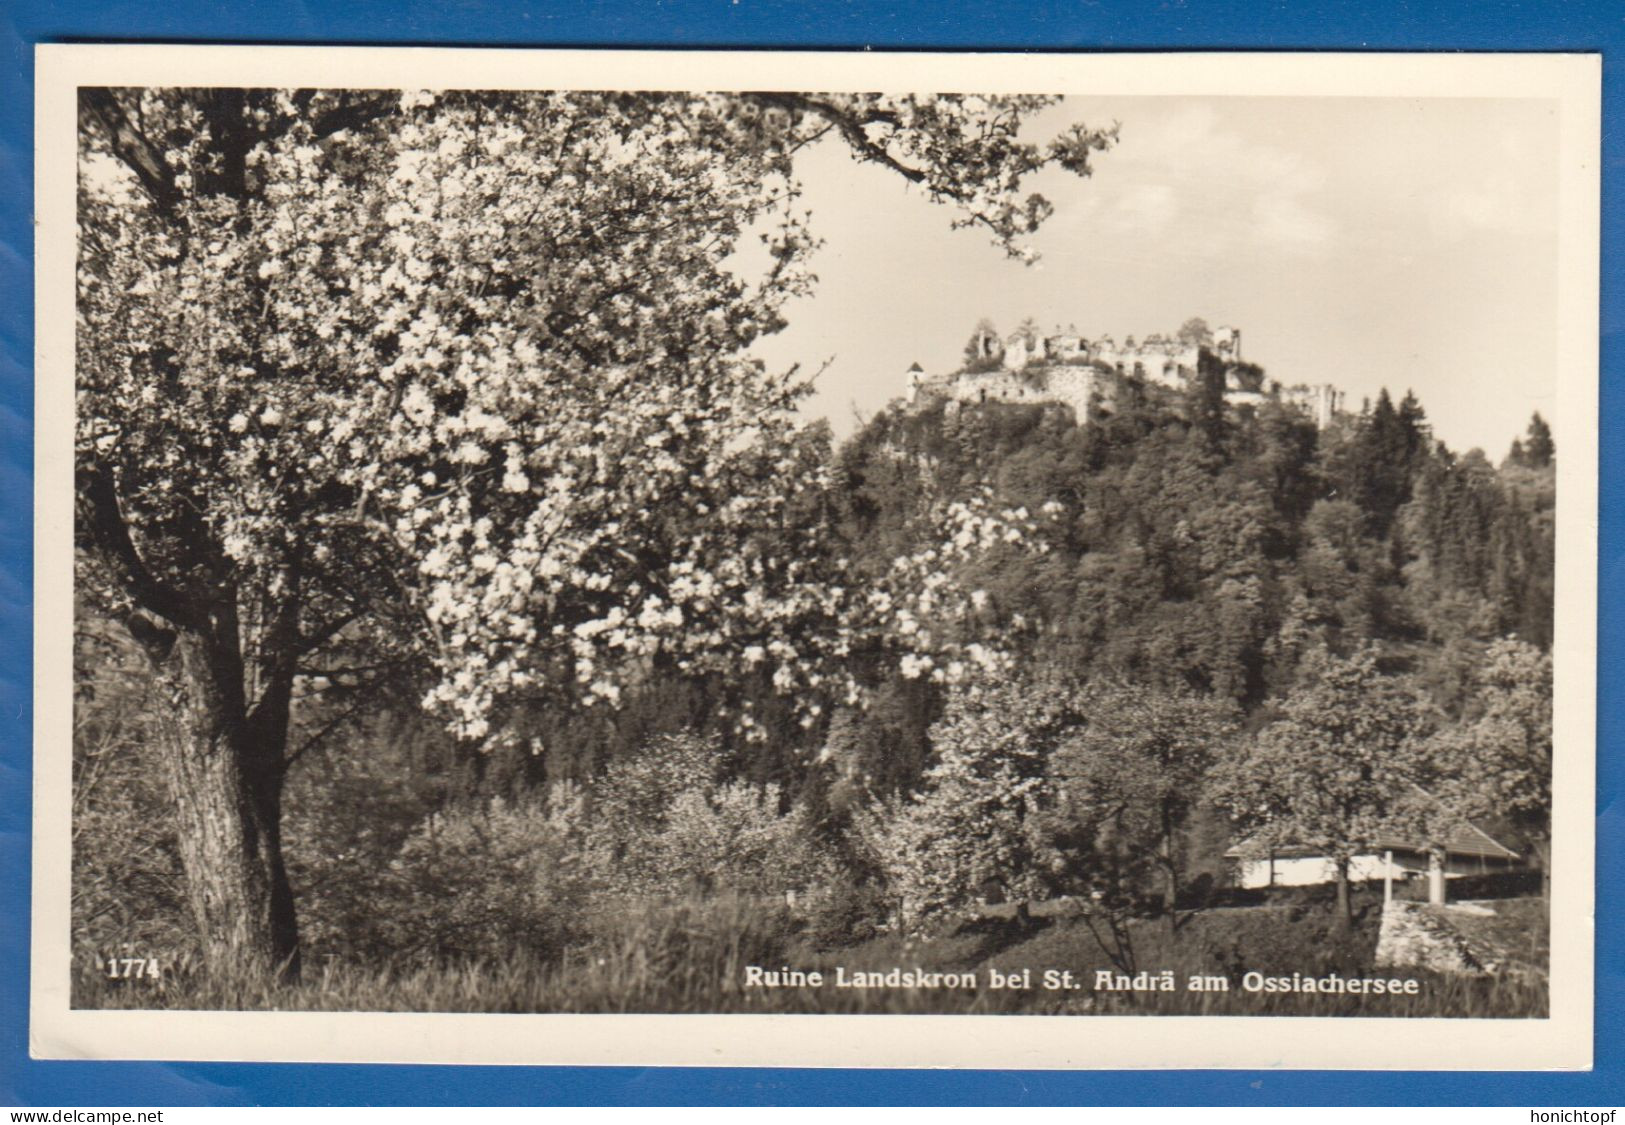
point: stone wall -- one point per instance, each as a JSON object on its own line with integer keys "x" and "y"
{"x": 1322, "y": 402}
{"x": 1069, "y": 386}
{"x": 1416, "y": 935}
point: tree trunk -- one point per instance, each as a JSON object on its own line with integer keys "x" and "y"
{"x": 1345, "y": 905}
{"x": 225, "y": 771}
{"x": 1543, "y": 856}
{"x": 1170, "y": 872}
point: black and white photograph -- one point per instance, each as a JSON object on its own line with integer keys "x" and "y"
{"x": 630, "y": 536}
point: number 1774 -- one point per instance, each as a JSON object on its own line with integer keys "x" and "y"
{"x": 133, "y": 968}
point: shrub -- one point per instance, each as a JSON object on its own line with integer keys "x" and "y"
{"x": 667, "y": 828}
{"x": 734, "y": 839}
{"x": 843, "y": 912}
{"x": 575, "y": 867}
{"x": 632, "y": 802}
{"x": 977, "y": 819}
{"x": 494, "y": 880}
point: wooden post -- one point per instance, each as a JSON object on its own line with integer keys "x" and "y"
{"x": 1387, "y": 877}
{"x": 1436, "y": 894}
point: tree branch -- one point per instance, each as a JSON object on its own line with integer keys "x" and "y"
{"x": 328, "y": 728}
{"x": 851, "y": 128}
{"x": 130, "y": 146}
{"x": 311, "y": 641}
{"x": 111, "y": 535}
{"x": 231, "y": 136}
{"x": 353, "y": 115}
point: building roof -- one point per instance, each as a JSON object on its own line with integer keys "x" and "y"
{"x": 1469, "y": 840}
{"x": 1466, "y": 839}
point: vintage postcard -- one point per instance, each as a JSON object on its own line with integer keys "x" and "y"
{"x": 816, "y": 559}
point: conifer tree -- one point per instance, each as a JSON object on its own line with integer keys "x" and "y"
{"x": 1539, "y": 449}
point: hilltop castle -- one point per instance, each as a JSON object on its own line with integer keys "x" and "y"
{"x": 1087, "y": 375}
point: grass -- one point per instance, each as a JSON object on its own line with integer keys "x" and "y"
{"x": 691, "y": 957}
{"x": 1515, "y": 934}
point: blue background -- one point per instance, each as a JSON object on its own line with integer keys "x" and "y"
{"x": 946, "y": 24}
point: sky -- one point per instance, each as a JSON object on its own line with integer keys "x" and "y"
{"x": 1364, "y": 242}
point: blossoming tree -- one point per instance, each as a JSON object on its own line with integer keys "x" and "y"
{"x": 1337, "y": 770}
{"x": 460, "y": 375}
{"x": 1498, "y": 763}
{"x": 979, "y": 817}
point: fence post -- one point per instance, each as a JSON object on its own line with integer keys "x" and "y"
{"x": 1387, "y": 877}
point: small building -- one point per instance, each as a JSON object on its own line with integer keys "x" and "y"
{"x": 1468, "y": 851}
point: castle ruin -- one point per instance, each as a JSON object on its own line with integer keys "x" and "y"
{"x": 1087, "y": 375}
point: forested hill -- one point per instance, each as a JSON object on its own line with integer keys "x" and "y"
{"x": 1213, "y": 555}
